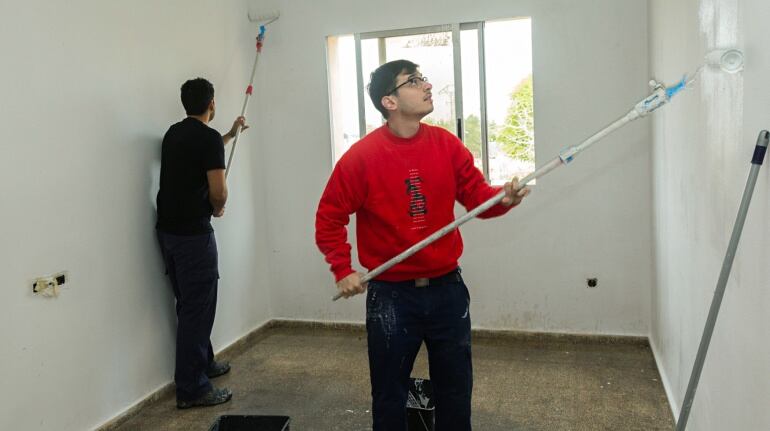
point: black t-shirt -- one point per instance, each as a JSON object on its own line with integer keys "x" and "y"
{"x": 190, "y": 149}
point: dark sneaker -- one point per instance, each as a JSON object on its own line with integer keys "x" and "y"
{"x": 217, "y": 369}
{"x": 211, "y": 398}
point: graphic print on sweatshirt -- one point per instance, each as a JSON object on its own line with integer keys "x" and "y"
{"x": 418, "y": 206}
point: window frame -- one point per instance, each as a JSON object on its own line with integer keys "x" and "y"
{"x": 455, "y": 29}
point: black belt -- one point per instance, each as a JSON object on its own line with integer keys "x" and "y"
{"x": 450, "y": 277}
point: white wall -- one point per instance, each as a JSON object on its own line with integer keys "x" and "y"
{"x": 89, "y": 87}
{"x": 528, "y": 270}
{"x": 703, "y": 143}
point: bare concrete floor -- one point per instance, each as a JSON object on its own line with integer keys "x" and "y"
{"x": 319, "y": 377}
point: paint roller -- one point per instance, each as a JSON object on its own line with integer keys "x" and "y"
{"x": 730, "y": 61}
{"x": 262, "y": 21}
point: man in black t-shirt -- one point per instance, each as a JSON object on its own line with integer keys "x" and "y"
{"x": 192, "y": 189}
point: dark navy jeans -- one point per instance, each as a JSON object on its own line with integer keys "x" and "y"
{"x": 192, "y": 266}
{"x": 399, "y": 318}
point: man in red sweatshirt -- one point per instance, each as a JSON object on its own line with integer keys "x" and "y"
{"x": 402, "y": 180}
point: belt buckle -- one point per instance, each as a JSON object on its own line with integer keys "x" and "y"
{"x": 421, "y": 282}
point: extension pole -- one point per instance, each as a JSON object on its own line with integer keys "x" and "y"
{"x": 660, "y": 96}
{"x": 249, "y": 91}
{"x": 727, "y": 264}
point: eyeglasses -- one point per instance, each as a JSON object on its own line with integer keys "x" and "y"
{"x": 414, "y": 82}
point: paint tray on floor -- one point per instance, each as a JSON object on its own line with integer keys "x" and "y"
{"x": 419, "y": 406}
{"x": 251, "y": 423}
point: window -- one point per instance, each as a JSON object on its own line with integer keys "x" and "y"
{"x": 482, "y": 87}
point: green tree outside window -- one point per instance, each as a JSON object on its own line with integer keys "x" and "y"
{"x": 517, "y": 134}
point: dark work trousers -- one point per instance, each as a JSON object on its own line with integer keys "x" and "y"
{"x": 399, "y": 317}
{"x": 191, "y": 263}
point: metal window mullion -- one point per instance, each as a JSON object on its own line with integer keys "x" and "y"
{"x": 483, "y": 102}
{"x": 382, "y": 50}
{"x": 360, "y": 86}
{"x": 458, "y": 90}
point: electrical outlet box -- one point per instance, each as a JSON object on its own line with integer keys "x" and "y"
{"x": 49, "y": 285}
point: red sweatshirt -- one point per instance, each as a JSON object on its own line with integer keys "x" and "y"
{"x": 401, "y": 190}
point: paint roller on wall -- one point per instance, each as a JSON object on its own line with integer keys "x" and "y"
{"x": 729, "y": 60}
{"x": 262, "y": 21}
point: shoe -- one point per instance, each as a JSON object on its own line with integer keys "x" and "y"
{"x": 211, "y": 398}
{"x": 217, "y": 369}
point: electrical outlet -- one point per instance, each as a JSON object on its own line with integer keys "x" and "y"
{"x": 49, "y": 285}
